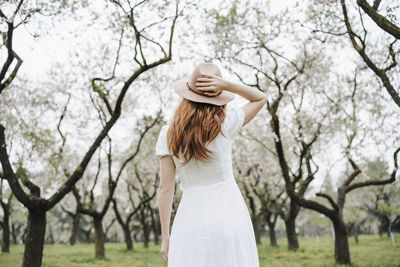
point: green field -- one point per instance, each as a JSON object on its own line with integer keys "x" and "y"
{"x": 370, "y": 251}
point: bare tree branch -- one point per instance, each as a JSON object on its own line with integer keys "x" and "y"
{"x": 99, "y": 88}
{"x": 391, "y": 179}
{"x": 381, "y": 73}
{"x": 353, "y": 175}
{"x": 9, "y": 174}
{"x": 4, "y": 82}
{"x": 59, "y": 124}
{"x": 376, "y": 4}
{"x": 380, "y": 20}
{"x": 329, "y": 198}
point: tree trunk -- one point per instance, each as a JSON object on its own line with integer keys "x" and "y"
{"x": 128, "y": 238}
{"x": 391, "y": 234}
{"x": 342, "y": 252}
{"x": 146, "y": 234}
{"x": 256, "y": 227}
{"x": 387, "y": 226}
{"x": 50, "y": 236}
{"x": 75, "y": 229}
{"x": 293, "y": 243}
{"x": 272, "y": 235}
{"x": 356, "y": 232}
{"x": 5, "y": 246}
{"x": 14, "y": 233}
{"x": 145, "y": 227}
{"x": 98, "y": 237}
{"x": 156, "y": 235}
{"x": 154, "y": 227}
{"x": 34, "y": 239}
{"x": 135, "y": 236}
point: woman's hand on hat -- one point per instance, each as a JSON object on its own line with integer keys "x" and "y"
{"x": 210, "y": 85}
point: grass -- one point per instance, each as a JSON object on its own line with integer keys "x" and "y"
{"x": 370, "y": 251}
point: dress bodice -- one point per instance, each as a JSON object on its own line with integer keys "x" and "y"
{"x": 219, "y": 166}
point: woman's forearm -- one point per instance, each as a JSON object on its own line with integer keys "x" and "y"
{"x": 166, "y": 193}
{"x": 165, "y": 198}
{"x": 250, "y": 93}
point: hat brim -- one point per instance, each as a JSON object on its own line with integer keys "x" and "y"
{"x": 181, "y": 89}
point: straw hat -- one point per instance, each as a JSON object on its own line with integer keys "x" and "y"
{"x": 186, "y": 87}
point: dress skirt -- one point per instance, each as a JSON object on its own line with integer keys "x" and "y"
{"x": 212, "y": 228}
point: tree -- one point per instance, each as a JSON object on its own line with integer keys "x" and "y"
{"x": 32, "y": 200}
{"x": 75, "y": 216}
{"x": 384, "y": 206}
{"x": 359, "y": 44}
{"x": 143, "y": 199}
{"x": 269, "y": 194}
{"x": 361, "y": 22}
{"x": 381, "y": 21}
{"x": 334, "y": 211}
{"x": 255, "y": 213}
{"x": 148, "y": 190}
{"x": 5, "y": 222}
{"x": 258, "y": 178}
{"x": 16, "y": 230}
{"x": 90, "y": 208}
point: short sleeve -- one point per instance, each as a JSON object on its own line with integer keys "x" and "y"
{"x": 233, "y": 122}
{"x": 161, "y": 148}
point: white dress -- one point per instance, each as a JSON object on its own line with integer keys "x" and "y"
{"x": 212, "y": 226}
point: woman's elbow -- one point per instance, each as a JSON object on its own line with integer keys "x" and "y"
{"x": 264, "y": 99}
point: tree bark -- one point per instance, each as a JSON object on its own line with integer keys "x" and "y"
{"x": 5, "y": 246}
{"x": 156, "y": 233}
{"x": 124, "y": 225}
{"x": 34, "y": 239}
{"x": 98, "y": 238}
{"x": 353, "y": 229}
{"x": 87, "y": 235}
{"x": 380, "y": 20}
{"x": 50, "y": 236}
{"x": 361, "y": 50}
{"x": 14, "y": 233}
{"x": 145, "y": 227}
{"x": 154, "y": 227}
{"x": 271, "y": 219}
{"x": 356, "y": 238}
{"x": 342, "y": 252}
{"x": 75, "y": 229}
{"x": 293, "y": 243}
{"x": 146, "y": 234}
{"x": 385, "y": 222}
{"x": 391, "y": 234}
{"x": 272, "y": 235}
{"x": 256, "y": 226}
{"x": 128, "y": 238}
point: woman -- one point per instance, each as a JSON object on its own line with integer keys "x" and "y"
{"x": 212, "y": 225}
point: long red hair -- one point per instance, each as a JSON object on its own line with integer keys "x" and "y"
{"x": 193, "y": 126}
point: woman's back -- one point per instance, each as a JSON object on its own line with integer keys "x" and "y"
{"x": 219, "y": 166}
